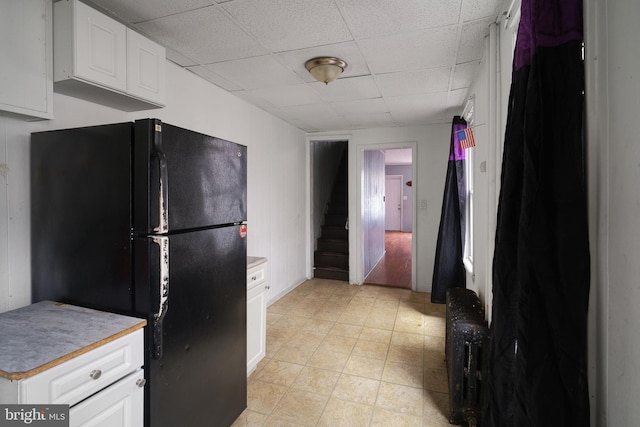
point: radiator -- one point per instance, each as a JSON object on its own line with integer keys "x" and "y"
{"x": 467, "y": 337}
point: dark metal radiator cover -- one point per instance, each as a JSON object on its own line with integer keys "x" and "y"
{"x": 467, "y": 338}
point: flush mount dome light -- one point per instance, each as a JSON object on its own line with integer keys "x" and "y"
{"x": 325, "y": 69}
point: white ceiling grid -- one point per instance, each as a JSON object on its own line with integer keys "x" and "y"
{"x": 410, "y": 62}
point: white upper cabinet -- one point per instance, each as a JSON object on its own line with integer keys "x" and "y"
{"x": 100, "y": 59}
{"x": 26, "y": 81}
{"x": 145, "y": 68}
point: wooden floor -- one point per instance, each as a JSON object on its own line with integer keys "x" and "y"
{"x": 394, "y": 269}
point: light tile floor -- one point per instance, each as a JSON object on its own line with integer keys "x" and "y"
{"x": 343, "y": 355}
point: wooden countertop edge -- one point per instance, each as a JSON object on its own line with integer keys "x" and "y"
{"x": 22, "y": 375}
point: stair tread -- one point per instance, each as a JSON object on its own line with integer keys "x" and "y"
{"x": 331, "y": 268}
{"x": 331, "y": 253}
{"x": 331, "y": 258}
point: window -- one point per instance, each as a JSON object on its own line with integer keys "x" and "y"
{"x": 468, "y": 177}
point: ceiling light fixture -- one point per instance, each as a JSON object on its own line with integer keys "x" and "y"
{"x": 325, "y": 69}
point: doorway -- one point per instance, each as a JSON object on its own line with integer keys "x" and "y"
{"x": 393, "y": 205}
{"x": 329, "y": 209}
{"x": 395, "y": 267}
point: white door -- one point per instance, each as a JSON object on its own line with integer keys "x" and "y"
{"x": 393, "y": 202}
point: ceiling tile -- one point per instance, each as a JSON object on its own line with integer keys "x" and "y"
{"x": 477, "y": 9}
{"x": 256, "y": 72}
{"x": 413, "y": 82}
{"x": 284, "y": 96}
{"x": 372, "y": 120}
{"x": 144, "y": 10}
{"x": 304, "y": 111}
{"x": 303, "y": 125}
{"x": 409, "y": 52}
{"x": 214, "y": 78}
{"x": 179, "y": 58}
{"x": 348, "y": 51}
{"x": 250, "y": 98}
{"x": 368, "y": 18}
{"x": 190, "y": 34}
{"x": 464, "y": 74}
{"x": 363, "y": 106}
{"x": 283, "y": 25}
{"x": 457, "y": 98}
{"x": 417, "y": 109}
{"x": 404, "y": 56}
{"x": 329, "y": 123}
{"x": 318, "y": 116}
{"x": 472, "y": 37}
{"x": 345, "y": 89}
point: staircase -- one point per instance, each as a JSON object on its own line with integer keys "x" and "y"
{"x": 331, "y": 258}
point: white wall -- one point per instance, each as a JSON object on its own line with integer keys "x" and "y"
{"x": 277, "y": 220}
{"x": 482, "y": 257}
{"x": 431, "y": 153}
{"x": 372, "y": 213}
{"x": 489, "y": 93}
{"x": 613, "y": 102}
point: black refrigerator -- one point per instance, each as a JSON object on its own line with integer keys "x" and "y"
{"x": 149, "y": 219}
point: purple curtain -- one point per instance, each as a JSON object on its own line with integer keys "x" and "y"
{"x": 536, "y": 374}
{"x": 448, "y": 269}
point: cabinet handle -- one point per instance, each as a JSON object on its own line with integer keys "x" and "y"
{"x": 254, "y": 278}
{"x": 95, "y": 374}
{"x": 141, "y": 382}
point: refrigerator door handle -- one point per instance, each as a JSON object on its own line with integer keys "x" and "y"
{"x": 163, "y": 290}
{"x": 163, "y": 185}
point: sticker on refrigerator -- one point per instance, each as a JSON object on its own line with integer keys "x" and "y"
{"x": 243, "y": 230}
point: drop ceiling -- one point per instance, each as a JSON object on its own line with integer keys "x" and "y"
{"x": 410, "y": 62}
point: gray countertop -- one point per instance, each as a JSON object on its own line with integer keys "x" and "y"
{"x": 254, "y": 261}
{"x": 45, "y": 334}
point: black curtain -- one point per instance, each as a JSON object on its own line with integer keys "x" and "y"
{"x": 448, "y": 270}
{"x": 537, "y": 357}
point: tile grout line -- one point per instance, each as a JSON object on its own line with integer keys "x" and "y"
{"x": 377, "y": 303}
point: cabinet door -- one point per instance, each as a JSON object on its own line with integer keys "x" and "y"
{"x": 120, "y": 405}
{"x": 256, "y": 326}
{"x": 26, "y": 86}
{"x": 101, "y": 48}
{"x": 145, "y": 68}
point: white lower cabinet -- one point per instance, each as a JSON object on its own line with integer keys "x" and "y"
{"x": 103, "y": 387}
{"x": 256, "y": 315}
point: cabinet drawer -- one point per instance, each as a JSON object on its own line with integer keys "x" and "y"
{"x": 82, "y": 376}
{"x": 255, "y": 276}
{"x": 121, "y": 405}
